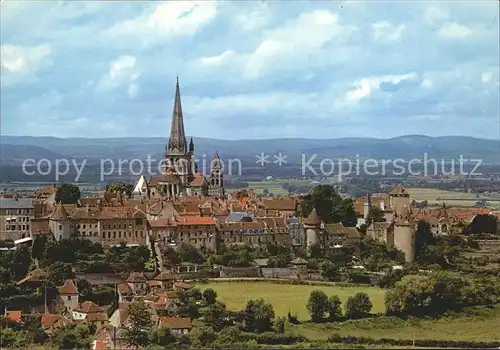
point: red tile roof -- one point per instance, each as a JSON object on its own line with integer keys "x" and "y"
{"x": 68, "y": 288}
{"x": 175, "y": 322}
{"x": 49, "y": 320}
{"x": 136, "y": 277}
{"x": 13, "y": 315}
{"x": 89, "y": 307}
{"x": 183, "y": 285}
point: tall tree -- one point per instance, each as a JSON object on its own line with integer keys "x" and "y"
{"x": 344, "y": 212}
{"x": 423, "y": 237}
{"x": 334, "y": 308}
{"x": 259, "y": 316}
{"x": 484, "y": 223}
{"x": 358, "y": 306}
{"x": 317, "y": 305}
{"x": 68, "y": 194}
{"x": 120, "y": 187}
{"x": 330, "y": 206}
{"x": 375, "y": 214}
{"x": 210, "y": 296}
{"x": 140, "y": 325}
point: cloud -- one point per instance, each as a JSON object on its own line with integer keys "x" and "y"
{"x": 255, "y": 18}
{"x": 298, "y": 41}
{"x": 250, "y": 69}
{"x": 486, "y": 77}
{"x": 386, "y": 31}
{"x": 21, "y": 62}
{"x": 434, "y": 15}
{"x": 166, "y": 20}
{"x": 122, "y": 71}
{"x": 366, "y": 86}
{"x": 218, "y": 60}
{"x": 426, "y": 83}
{"x": 455, "y": 31}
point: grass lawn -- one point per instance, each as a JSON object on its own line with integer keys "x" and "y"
{"x": 481, "y": 324}
{"x": 286, "y": 297}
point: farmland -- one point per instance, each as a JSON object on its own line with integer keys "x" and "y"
{"x": 451, "y": 198}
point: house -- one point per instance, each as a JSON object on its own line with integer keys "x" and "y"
{"x": 51, "y": 322}
{"x": 166, "y": 279}
{"x": 90, "y": 312}
{"x": 183, "y": 285}
{"x": 177, "y": 325}
{"x": 300, "y": 263}
{"x": 137, "y": 283}
{"x": 125, "y": 293}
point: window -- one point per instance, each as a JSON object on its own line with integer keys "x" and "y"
{"x": 138, "y": 221}
{"x": 69, "y": 297}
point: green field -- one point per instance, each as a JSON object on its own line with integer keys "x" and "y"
{"x": 452, "y": 198}
{"x": 480, "y": 325}
{"x": 285, "y": 297}
{"x": 275, "y": 186}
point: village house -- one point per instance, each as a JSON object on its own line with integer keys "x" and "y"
{"x": 177, "y": 325}
{"x": 53, "y": 322}
{"x": 90, "y": 312}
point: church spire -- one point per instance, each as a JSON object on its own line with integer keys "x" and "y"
{"x": 177, "y": 140}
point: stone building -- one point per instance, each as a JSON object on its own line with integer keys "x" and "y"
{"x": 326, "y": 236}
{"x": 399, "y": 230}
{"x": 15, "y": 217}
{"x": 198, "y": 231}
{"x": 105, "y": 225}
{"x": 69, "y": 296}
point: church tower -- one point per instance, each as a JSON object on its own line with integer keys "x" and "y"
{"x": 216, "y": 182}
{"x": 177, "y": 155}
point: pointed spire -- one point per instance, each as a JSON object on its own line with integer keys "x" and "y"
{"x": 191, "y": 145}
{"x": 177, "y": 140}
{"x": 313, "y": 219}
{"x": 60, "y": 214}
{"x": 216, "y": 162}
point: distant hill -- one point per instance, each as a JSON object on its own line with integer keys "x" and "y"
{"x": 17, "y": 148}
{"x": 12, "y": 154}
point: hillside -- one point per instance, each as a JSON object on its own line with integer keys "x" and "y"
{"x": 15, "y": 148}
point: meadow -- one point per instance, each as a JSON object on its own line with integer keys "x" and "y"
{"x": 436, "y": 196}
{"x": 478, "y": 324}
{"x": 285, "y": 298}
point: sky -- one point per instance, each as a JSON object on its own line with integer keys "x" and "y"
{"x": 250, "y": 69}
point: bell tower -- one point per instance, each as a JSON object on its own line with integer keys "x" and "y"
{"x": 216, "y": 182}
{"x": 177, "y": 155}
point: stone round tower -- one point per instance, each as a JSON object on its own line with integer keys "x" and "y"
{"x": 404, "y": 234}
{"x": 312, "y": 226}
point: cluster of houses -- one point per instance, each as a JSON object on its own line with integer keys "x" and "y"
{"x": 161, "y": 292}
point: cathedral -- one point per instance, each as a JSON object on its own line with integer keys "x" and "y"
{"x": 179, "y": 176}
